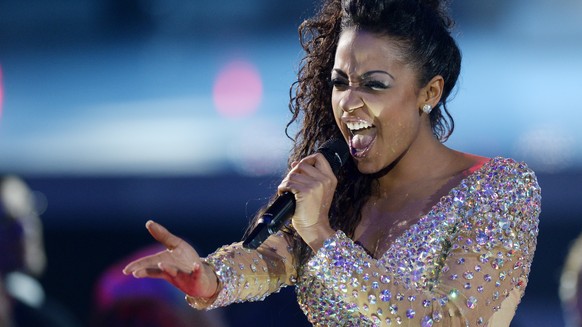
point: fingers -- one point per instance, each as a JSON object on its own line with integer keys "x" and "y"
{"x": 162, "y": 235}
{"x": 147, "y": 262}
{"x": 168, "y": 269}
{"x": 315, "y": 166}
{"x": 311, "y": 171}
{"x": 318, "y": 161}
{"x": 157, "y": 266}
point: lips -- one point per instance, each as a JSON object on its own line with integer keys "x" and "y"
{"x": 363, "y": 135}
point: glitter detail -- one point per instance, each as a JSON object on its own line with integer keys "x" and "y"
{"x": 453, "y": 294}
{"x": 393, "y": 309}
{"x": 437, "y": 316}
{"x": 385, "y": 295}
{"x": 471, "y": 302}
{"x": 426, "y": 322}
{"x": 376, "y": 320}
{"x": 410, "y": 313}
{"x": 484, "y": 229}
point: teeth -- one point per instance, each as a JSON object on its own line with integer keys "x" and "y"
{"x": 359, "y": 125}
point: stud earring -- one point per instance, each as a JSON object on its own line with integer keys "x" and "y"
{"x": 427, "y": 108}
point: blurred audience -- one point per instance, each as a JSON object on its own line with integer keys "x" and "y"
{"x": 23, "y": 302}
{"x": 121, "y": 301}
{"x": 571, "y": 284}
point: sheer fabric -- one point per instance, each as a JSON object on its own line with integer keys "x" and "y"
{"x": 465, "y": 263}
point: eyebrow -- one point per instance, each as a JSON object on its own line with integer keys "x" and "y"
{"x": 364, "y": 75}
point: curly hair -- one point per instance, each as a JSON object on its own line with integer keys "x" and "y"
{"x": 422, "y": 30}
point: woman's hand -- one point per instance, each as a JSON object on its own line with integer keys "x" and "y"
{"x": 179, "y": 264}
{"x": 313, "y": 183}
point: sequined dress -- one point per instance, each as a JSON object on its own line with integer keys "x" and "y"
{"x": 465, "y": 263}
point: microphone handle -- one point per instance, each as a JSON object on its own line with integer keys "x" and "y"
{"x": 336, "y": 152}
{"x": 271, "y": 221}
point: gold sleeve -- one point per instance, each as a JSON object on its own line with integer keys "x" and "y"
{"x": 249, "y": 275}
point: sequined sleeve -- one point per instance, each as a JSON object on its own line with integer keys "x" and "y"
{"x": 249, "y": 275}
{"x": 485, "y": 240}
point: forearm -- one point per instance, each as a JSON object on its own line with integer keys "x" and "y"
{"x": 248, "y": 275}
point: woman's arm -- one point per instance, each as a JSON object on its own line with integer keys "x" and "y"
{"x": 249, "y": 275}
{"x": 231, "y": 274}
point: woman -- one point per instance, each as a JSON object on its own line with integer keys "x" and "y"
{"x": 410, "y": 232}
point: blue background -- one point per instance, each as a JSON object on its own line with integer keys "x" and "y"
{"x": 107, "y": 111}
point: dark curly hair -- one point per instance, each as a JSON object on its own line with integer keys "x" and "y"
{"x": 422, "y": 30}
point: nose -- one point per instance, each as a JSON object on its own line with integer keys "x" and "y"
{"x": 351, "y": 100}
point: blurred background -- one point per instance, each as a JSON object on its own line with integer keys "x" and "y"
{"x": 119, "y": 111}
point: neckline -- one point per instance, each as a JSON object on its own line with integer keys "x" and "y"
{"x": 442, "y": 201}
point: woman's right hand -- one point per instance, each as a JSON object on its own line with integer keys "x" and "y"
{"x": 180, "y": 265}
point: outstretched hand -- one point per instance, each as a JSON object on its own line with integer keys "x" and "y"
{"x": 180, "y": 265}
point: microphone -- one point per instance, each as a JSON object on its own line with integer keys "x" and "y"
{"x": 336, "y": 152}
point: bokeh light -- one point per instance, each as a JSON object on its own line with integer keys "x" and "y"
{"x": 238, "y": 89}
{"x": 546, "y": 148}
{"x": 260, "y": 149}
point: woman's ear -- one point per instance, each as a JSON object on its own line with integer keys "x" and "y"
{"x": 432, "y": 92}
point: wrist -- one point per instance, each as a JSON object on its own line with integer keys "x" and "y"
{"x": 214, "y": 282}
{"x": 316, "y": 235}
{"x": 202, "y": 301}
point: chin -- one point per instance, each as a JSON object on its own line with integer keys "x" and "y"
{"x": 375, "y": 168}
{"x": 368, "y": 168}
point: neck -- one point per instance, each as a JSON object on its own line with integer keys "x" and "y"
{"x": 423, "y": 161}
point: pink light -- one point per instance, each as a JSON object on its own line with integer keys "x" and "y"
{"x": 238, "y": 89}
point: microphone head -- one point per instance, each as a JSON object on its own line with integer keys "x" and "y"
{"x": 336, "y": 152}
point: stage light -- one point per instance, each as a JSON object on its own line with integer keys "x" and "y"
{"x": 238, "y": 89}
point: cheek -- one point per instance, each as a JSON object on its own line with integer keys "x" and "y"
{"x": 335, "y": 99}
{"x": 398, "y": 125}
{"x": 337, "y": 111}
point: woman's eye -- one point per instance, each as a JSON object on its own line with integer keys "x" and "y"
{"x": 338, "y": 83}
{"x": 376, "y": 85}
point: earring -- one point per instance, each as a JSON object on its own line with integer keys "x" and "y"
{"x": 427, "y": 108}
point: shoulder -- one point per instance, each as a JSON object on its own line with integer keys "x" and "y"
{"x": 510, "y": 187}
{"x": 510, "y": 174}
{"x": 503, "y": 203}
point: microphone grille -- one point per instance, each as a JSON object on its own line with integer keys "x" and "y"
{"x": 336, "y": 152}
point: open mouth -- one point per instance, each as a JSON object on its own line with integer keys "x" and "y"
{"x": 363, "y": 135}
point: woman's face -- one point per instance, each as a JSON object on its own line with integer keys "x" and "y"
{"x": 375, "y": 99}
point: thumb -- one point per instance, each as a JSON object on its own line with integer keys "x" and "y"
{"x": 162, "y": 235}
